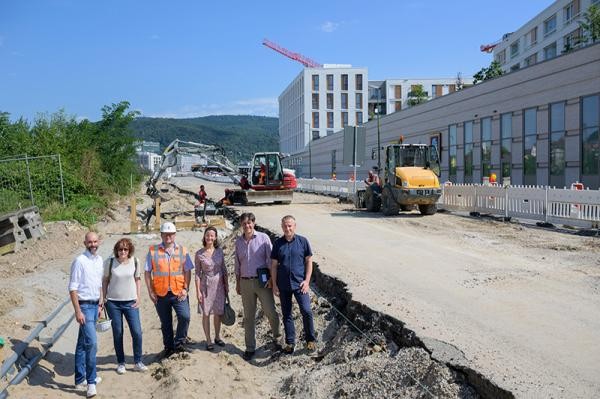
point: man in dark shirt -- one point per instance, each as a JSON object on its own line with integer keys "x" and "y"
{"x": 291, "y": 269}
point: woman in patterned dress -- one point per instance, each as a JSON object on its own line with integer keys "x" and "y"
{"x": 211, "y": 284}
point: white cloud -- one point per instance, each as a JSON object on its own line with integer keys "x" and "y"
{"x": 252, "y": 106}
{"x": 329, "y": 26}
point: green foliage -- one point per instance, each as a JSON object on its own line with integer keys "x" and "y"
{"x": 85, "y": 209}
{"x": 98, "y": 159}
{"x": 493, "y": 71}
{"x": 417, "y": 95}
{"x": 240, "y": 136}
{"x": 590, "y": 25}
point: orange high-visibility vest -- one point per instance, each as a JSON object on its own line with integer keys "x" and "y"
{"x": 167, "y": 272}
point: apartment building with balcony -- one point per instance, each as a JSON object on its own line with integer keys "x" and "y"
{"x": 552, "y": 32}
{"x": 321, "y": 101}
{"x": 392, "y": 95}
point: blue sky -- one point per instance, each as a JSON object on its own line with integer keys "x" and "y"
{"x": 195, "y": 58}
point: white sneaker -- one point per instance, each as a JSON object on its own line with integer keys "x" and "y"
{"x": 82, "y": 385}
{"x": 140, "y": 367}
{"x": 91, "y": 391}
{"x": 121, "y": 369}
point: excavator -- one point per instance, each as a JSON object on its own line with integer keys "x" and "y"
{"x": 268, "y": 182}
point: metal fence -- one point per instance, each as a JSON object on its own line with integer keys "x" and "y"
{"x": 579, "y": 208}
{"x": 30, "y": 181}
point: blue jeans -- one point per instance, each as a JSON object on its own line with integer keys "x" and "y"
{"x": 164, "y": 307}
{"x": 303, "y": 300}
{"x": 116, "y": 311}
{"x": 87, "y": 345}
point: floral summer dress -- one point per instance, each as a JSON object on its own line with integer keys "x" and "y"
{"x": 212, "y": 271}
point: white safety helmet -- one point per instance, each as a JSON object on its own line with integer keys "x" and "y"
{"x": 168, "y": 227}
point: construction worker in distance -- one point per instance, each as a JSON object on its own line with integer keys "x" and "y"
{"x": 262, "y": 174}
{"x": 373, "y": 180}
{"x": 244, "y": 183}
{"x": 167, "y": 274}
{"x": 201, "y": 195}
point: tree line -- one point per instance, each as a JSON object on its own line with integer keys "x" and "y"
{"x": 98, "y": 158}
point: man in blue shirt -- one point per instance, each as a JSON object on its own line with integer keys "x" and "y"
{"x": 291, "y": 269}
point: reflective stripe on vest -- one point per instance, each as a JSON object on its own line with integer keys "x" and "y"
{"x": 166, "y": 279}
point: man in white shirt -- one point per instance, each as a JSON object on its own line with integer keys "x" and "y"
{"x": 85, "y": 290}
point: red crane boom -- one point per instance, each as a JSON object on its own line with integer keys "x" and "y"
{"x": 307, "y": 62}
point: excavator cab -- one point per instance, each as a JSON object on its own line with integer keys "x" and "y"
{"x": 267, "y": 171}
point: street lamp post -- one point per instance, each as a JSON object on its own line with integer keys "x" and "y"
{"x": 378, "y": 141}
{"x": 377, "y": 111}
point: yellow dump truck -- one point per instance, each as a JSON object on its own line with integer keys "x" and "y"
{"x": 410, "y": 177}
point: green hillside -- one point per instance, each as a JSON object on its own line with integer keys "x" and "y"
{"x": 240, "y": 136}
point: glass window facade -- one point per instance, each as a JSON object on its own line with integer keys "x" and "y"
{"x": 468, "y": 133}
{"x": 315, "y": 101}
{"x": 359, "y": 82}
{"x": 557, "y": 139}
{"x": 344, "y": 82}
{"x": 452, "y": 166}
{"x": 486, "y": 146}
{"x": 315, "y": 82}
{"x": 359, "y": 100}
{"x": 530, "y": 142}
{"x": 590, "y": 121}
{"x": 344, "y": 100}
{"x": 506, "y": 143}
{"x": 330, "y": 82}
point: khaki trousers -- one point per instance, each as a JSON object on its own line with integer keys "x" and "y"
{"x": 250, "y": 291}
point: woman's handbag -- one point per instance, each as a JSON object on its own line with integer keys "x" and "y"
{"x": 103, "y": 324}
{"x": 228, "y": 313}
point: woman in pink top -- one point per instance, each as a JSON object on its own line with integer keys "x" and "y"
{"x": 211, "y": 284}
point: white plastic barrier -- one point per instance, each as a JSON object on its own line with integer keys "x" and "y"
{"x": 335, "y": 188}
{"x": 553, "y": 205}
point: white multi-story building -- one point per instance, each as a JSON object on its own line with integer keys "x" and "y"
{"x": 320, "y": 102}
{"x": 396, "y": 94}
{"x": 149, "y": 160}
{"x": 552, "y": 32}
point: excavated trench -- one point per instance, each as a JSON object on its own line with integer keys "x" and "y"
{"x": 364, "y": 353}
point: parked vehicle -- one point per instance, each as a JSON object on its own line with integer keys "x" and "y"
{"x": 410, "y": 178}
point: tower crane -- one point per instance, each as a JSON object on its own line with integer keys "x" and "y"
{"x": 307, "y": 62}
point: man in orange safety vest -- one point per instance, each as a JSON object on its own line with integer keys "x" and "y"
{"x": 167, "y": 274}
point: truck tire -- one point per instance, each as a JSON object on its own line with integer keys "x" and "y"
{"x": 359, "y": 199}
{"x": 406, "y": 208}
{"x": 372, "y": 200}
{"x": 429, "y": 209}
{"x": 388, "y": 204}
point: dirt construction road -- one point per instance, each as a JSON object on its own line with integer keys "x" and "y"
{"x": 517, "y": 303}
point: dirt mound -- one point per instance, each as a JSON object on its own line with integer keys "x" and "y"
{"x": 61, "y": 238}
